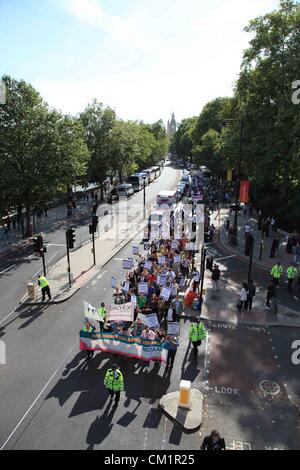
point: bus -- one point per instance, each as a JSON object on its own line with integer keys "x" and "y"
{"x": 151, "y": 173}
{"x": 137, "y": 181}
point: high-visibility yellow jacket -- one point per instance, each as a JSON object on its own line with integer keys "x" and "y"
{"x": 102, "y": 313}
{"x": 43, "y": 282}
{"x": 276, "y": 271}
{"x": 197, "y": 332}
{"x": 114, "y": 380}
{"x": 291, "y": 272}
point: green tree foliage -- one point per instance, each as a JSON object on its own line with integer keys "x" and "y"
{"x": 41, "y": 150}
{"x": 182, "y": 144}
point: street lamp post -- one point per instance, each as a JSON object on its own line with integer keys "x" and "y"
{"x": 144, "y": 178}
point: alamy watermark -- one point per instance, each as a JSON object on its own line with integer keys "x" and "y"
{"x": 2, "y": 92}
{"x": 2, "y": 353}
{"x": 296, "y": 353}
{"x": 296, "y": 93}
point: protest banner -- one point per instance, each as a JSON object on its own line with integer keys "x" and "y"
{"x": 165, "y": 294}
{"x": 135, "y": 250}
{"x": 90, "y": 312}
{"x": 173, "y": 329}
{"x": 174, "y": 245}
{"x": 123, "y": 312}
{"x": 124, "y": 345}
{"x": 152, "y": 321}
{"x": 161, "y": 260}
{"x": 113, "y": 282}
{"x": 127, "y": 264}
{"x": 143, "y": 288}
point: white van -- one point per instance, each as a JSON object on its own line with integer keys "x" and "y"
{"x": 168, "y": 198}
{"x": 125, "y": 190}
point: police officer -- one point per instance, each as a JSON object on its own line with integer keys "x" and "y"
{"x": 88, "y": 328}
{"x": 196, "y": 335}
{"x": 114, "y": 382}
{"x": 291, "y": 272}
{"x": 102, "y": 314}
{"x": 276, "y": 273}
{"x": 44, "y": 285}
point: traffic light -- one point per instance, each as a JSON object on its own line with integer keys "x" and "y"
{"x": 71, "y": 238}
{"x": 249, "y": 244}
{"x": 37, "y": 243}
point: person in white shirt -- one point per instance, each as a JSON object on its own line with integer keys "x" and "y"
{"x": 243, "y": 298}
{"x": 247, "y": 229}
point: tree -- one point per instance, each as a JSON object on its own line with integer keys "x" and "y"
{"x": 40, "y": 149}
{"x": 99, "y": 122}
{"x": 182, "y": 141}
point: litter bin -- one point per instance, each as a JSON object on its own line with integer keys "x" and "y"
{"x": 31, "y": 291}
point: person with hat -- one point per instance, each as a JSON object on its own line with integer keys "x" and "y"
{"x": 114, "y": 382}
{"x": 196, "y": 335}
{"x": 102, "y": 315}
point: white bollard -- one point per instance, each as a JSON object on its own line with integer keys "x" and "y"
{"x": 185, "y": 394}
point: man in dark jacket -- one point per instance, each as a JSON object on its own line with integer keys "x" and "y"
{"x": 275, "y": 245}
{"x": 215, "y": 275}
{"x": 251, "y": 293}
{"x": 271, "y": 292}
{"x": 213, "y": 442}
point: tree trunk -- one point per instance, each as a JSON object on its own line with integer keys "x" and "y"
{"x": 28, "y": 231}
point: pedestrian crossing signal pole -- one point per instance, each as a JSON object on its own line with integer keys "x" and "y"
{"x": 70, "y": 240}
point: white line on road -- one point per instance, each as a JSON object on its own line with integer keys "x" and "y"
{"x": 7, "y": 269}
{"x": 39, "y": 395}
{"x": 225, "y": 257}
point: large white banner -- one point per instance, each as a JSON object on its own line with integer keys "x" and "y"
{"x": 90, "y": 312}
{"x": 124, "y": 345}
{"x": 123, "y": 312}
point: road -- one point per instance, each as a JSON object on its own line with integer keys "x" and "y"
{"x": 51, "y": 399}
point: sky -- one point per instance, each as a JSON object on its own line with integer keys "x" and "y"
{"x": 144, "y": 58}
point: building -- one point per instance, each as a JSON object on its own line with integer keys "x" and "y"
{"x": 171, "y": 128}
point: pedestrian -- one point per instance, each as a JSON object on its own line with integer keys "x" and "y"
{"x": 114, "y": 382}
{"x": 275, "y": 245}
{"x": 251, "y": 294}
{"x": 291, "y": 273}
{"x": 172, "y": 344}
{"x": 243, "y": 301}
{"x": 213, "y": 442}
{"x": 102, "y": 316}
{"x": 196, "y": 335}
{"x": 45, "y": 288}
{"x": 297, "y": 254}
{"x": 271, "y": 292}
{"x": 215, "y": 275}
{"x": 276, "y": 272}
{"x": 177, "y": 305}
{"x": 138, "y": 327}
{"x": 266, "y": 227}
{"x": 247, "y": 229}
{"x": 273, "y": 224}
{"x": 88, "y": 328}
{"x": 148, "y": 335}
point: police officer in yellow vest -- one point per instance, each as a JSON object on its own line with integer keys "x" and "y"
{"x": 291, "y": 273}
{"x": 276, "y": 273}
{"x": 102, "y": 315}
{"x": 114, "y": 382}
{"x": 196, "y": 335}
{"x": 44, "y": 285}
{"x": 88, "y": 328}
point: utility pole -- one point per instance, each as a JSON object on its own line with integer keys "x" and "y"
{"x": 68, "y": 258}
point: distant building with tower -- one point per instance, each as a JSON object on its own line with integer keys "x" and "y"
{"x": 171, "y": 127}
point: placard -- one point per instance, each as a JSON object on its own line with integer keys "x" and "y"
{"x": 170, "y": 314}
{"x": 132, "y": 262}
{"x": 135, "y": 250}
{"x": 90, "y": 312}
{"x": 148, "y": 265}
{"x": 162, "y": 280}
{"x": 174, "y": 245}
{"x": 127, "y": 264}
{"x": 182, "y": 283}
{"x": 161, "y": 260}
{"x": 123, "y": 312}
{"x": 152, "y": 321}
{"x": 196, "y": 277}
{"x": 133, "y": 300}
{"x": 177, "y": 259}
{"x": 113, "y": 282}
{"x": 173, "y": 329}
{"x": 142, "y": 317}
{"x": 146, "y": 246}
{"x": 165, "y": 294}
{"x": 143, "y": 288}
{"x": 126, "y": 286}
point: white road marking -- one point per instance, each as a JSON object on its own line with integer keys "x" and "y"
{"x": 225, "y": 257}
{"x": 37, "y": 398}
{"x": 7, "y": 269}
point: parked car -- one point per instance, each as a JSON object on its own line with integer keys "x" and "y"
{"x": 125, "y": 190}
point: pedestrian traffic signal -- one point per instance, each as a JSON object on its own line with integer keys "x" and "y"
{"x": 38, "y": 244}
{"x": 71, "y": 237}
{"x": 249, "y": 244}
{"x": 95, "y": 220}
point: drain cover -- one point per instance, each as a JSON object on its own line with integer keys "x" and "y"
{"x": 269, "y": 387}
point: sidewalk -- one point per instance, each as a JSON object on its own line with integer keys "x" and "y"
{"x": 266, "y": 262}
{"x": 221, "y": 306}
